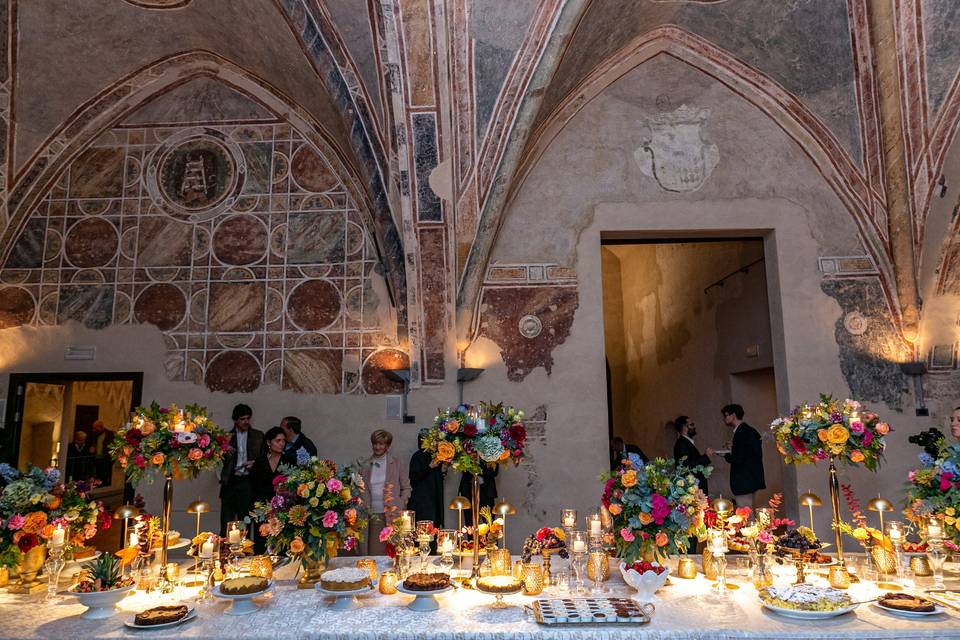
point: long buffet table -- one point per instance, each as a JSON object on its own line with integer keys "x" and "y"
{"x": 684, "y": 609}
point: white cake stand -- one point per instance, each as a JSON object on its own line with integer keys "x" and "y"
{"x": 241, "y": 604}
{"x": 344, "y": 600}
{"x": 424, "y": 600}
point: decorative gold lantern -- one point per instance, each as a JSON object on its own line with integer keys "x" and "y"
{"x": 388, "y": 583}
{"x": 601, "y": 559}
{"x": 532, "y": 579}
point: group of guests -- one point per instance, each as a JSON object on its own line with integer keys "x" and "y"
{"x": 251, "y": 464}
{"x": 743, "y": 452}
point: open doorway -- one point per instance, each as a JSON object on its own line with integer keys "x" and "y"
{"x": 68, "y": 421}
{"x": 687, "y": 331}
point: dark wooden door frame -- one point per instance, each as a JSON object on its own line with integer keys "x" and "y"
{"x": 13, "y": 420}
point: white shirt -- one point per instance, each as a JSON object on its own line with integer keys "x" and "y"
{"x": 241, "y": 451}
{"x": 378, "y": 477}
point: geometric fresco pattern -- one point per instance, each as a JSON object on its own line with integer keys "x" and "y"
{"x": 239, "y": 242}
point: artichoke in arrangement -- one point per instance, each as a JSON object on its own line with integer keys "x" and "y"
{"x": 102, "y": 574}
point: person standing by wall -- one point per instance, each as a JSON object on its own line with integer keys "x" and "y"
{"x": 296, "y": 440}
{"x": 426, "y": 487}
{"x": 745, "y": 457}
{"x": 955, "y": 423}
{"x": 386, "y": 489}
{"x": 236, "y": 488}
{"x": 685, "y": 450}
{"x": 264, "y": 470}
{"x": 100, "y": 441}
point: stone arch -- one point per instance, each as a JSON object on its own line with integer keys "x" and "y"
{"x": 126, "y": 95}
{"x": 811, "y": 134}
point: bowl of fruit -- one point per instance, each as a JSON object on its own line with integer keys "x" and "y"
{"x": 799, "y": 542}
{"x": 101, "y": 587}
{"x": 645, "y": 577}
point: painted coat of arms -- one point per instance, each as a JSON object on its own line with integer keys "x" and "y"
{"x": 675, "y": 154}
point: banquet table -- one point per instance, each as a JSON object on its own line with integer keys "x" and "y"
{"x": 684, "y": 609}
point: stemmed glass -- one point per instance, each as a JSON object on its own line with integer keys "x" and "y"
{"x": 235, "y": 531}
{"x": 935, "y": 554}
{"x": 425, "y": 533}
{"x": 55, "y": 563}
{"x": 446, "y": 542}
{"x": 578, "y": 549}
{"x": 207, "y": 553}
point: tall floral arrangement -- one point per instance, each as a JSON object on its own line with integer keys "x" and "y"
{"x": 317, "y": 510}
{"x": 831, "y": 428}
{"x": 171, "y": 441}
{"x": 934, "y": 488}
{"x": 33, "y": 504}
{"x": 469, "y": 438}
{"x": 655, "y": 507}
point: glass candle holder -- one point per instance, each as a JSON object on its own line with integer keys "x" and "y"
{"x": 896, "y": 534}
{"x": 532, "y": 579}
{"x": 568, "y": 518}
{"x": 371, "y": 566}
{"x": 578, "y": 545}
{"x": 594, "y": 526}
{"x": 407, "y": 519}
{"x": 235, "y": 531}
{"x": 388, "y": 583}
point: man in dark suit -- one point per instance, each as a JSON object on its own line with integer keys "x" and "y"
{"x": 296, "y": 440}
{"x": 745, "y": 457}
{"x": 79, "y": 460}
{"x": 236, "y": 488}
{"x": 620, "y": 450}
{"x": 685, "y": 450}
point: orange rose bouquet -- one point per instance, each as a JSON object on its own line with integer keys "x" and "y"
{"x": 842, "y": 430}
{"x": 656, "y": 507}
{"x": 178, "y": 442}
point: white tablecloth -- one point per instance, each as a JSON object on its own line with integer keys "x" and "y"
{"x": 685, "y": 609}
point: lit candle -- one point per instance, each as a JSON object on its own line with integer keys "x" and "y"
{"x": 579, "y": 546}
{"x": 718, "y": 543}
{"x": 233, "y": 536}
{"x": 447, "y": 546}
{"x": 568, "y": 518}
{"x": 406, "y": 524}
{"x": 206, "y": 549}
{"x": 134, "y": 539}
{"x": 934, "y": 530}
{"x": 895, "y": 533}
{"x": 595, "y": 527}
{"x": 57, "y": 539}
{"x": 178, "y": 426}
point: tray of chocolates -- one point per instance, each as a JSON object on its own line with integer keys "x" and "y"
{"x": 580, "y": 611}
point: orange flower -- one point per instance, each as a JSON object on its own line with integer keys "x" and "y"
{"x": 645, "y": 518}
{"x": 296, "y": 545}
{"x": 47, "y": 532}
{"x": 195, "y": 454}
{"x": 303, "y": 490}
{"x": 883, "y": 428}
{"x": 856, "y": 456}
{"x": 53, "y": 502}
{"x": 35, "y": 522}
{"x": 350, "y": 515}
{"x": 157, "y": 458}
{"x": 504, "y": 456}
{"x": 615, "y": 509}
{"x": 148, "y": 427}
{"x": 837, "y": 434}
{"x": 662, "y": 539}
{"x": 445, "y": 452}
{"x": 629, "y": 478}
{"x": 822, "y": 435}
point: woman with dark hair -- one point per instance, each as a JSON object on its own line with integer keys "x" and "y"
{"x": 426, "y": 487}
{"x": 264, "y": 470}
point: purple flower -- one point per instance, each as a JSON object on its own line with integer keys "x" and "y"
{"x": 277, "y": 502}
{"x": 836, "y": 417}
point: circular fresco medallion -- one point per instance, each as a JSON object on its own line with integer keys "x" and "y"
{"x": 196, "y": 174}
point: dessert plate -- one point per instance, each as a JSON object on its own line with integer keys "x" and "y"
{"x": 191, "y": 614}
{"x": 343, "y": 600}
{"x": 241, "y": 604}
{"x": 809, "y": 615}
{"x": 424, "y": 600}
{"x": 937, "y": 610}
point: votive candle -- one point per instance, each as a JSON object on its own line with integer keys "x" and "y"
{"x": 57, "y": 539}
{"x": 233, "y": 536}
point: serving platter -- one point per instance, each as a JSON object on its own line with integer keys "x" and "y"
{"x": 582, "y": 611}
{"x": 191, "y": 614}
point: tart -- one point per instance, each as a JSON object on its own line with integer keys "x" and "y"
{"x": 805, "y": 597}
{"x": 82, "y": 553}
{"x": 345, "y": 579}
{"x": 498, "y": 584}
{"x": 906, "y": 602}
{"x": 243, "y": 586}
{"x": 426, "y": 581}
{"x": 161, "y": 615}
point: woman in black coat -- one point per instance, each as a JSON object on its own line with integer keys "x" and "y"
{"x": 263, "y": 472}
{"x": 426, "y": 483}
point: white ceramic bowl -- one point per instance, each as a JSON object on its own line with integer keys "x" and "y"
{"x": 101, "y": 604}
{"x": 646, "y": 583}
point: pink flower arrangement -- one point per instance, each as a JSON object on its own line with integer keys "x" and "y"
{"x": 334, "y": 485}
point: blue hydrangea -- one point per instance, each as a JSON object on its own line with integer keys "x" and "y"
{"x": 950, "y": 467}
{"x": 303, "y": 456}
{"x": 8, "y": 473}
{"x": 926, "y": 459}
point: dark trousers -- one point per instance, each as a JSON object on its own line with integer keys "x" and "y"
{"x": 236, "y": 500}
